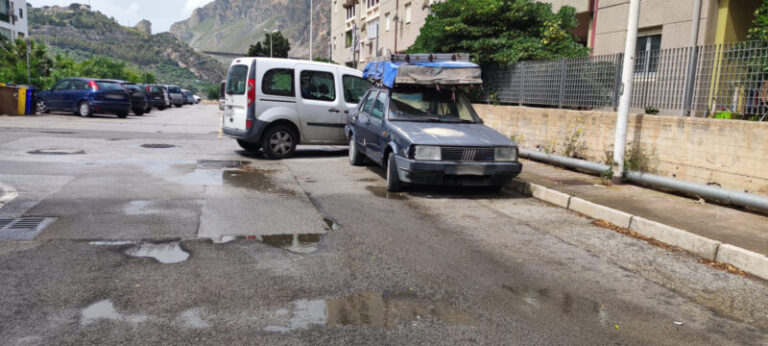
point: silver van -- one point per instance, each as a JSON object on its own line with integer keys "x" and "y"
{"x": 276, "y": 104}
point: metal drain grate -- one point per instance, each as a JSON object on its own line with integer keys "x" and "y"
{"x": 24, "y": 228}
{"x": 157, "y": 146}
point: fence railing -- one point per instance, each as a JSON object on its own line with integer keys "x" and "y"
{"x": 728, "y": 81}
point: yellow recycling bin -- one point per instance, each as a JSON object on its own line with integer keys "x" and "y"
{"x": 22, "y": 101}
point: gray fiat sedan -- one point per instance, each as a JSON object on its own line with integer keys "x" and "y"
{"x": 426, "y": 136}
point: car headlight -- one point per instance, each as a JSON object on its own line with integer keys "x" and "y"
{"x": 506, "y": 154}
{"x": 426, "y": 153}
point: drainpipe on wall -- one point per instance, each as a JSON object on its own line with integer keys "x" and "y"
{"x": 690, "y": 77}
{"x": 593, "y": 8}
{"x": 397, "y": 20}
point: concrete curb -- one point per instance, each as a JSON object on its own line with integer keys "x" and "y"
{"x": 746, "y": 260}
{"x": 751, "y": 262}
{"x": 693, "y": 243}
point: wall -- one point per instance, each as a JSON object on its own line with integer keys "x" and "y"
{"x": 729, "y": 153}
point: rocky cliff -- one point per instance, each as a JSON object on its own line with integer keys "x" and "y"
{"x": 233, "y": 25}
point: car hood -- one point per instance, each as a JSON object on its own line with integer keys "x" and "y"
{"x": 450, "y": 134}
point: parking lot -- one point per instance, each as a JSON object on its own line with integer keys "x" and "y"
{"x": 163, "y": 230}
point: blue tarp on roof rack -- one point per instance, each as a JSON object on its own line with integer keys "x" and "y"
{"x": 423, "y": 73}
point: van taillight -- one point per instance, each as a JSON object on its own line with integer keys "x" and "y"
{"x": 248, "y": 124}
{"x": 93, "y": 85}
{"x": 251, "y": 91}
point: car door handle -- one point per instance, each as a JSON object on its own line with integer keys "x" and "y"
{"x": 334, "y": 110}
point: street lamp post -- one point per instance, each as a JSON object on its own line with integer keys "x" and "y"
{"x": 311, "y": 10}
{"x": 271, "y": 34}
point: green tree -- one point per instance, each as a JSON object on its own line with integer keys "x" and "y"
{"x": 280, "y": 46}
{"x": 212, "y": 92}
{"x": 500, "y": 31}
{"x": 759, "y": 30}
{"x": 13, "y": 55}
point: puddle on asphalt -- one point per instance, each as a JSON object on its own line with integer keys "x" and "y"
{"x": 297, "y": 243}
{"x": 111, "y": 242}
{"x": 254, "y": 180}
{"x": 193, "y": 319}
{"x": 375, "y": 309}
{"x": 380, "y": 191}
{"x": 56, "y": 152}
{"x": 157, "y": 146}
{"x": 566, "y": 303}
{"x": 105, "y": 310}
{"x": 220, "y": 164}
{"x": 166, "y": 253}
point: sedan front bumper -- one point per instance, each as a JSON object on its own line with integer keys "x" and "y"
{"x": 456, "y": 173}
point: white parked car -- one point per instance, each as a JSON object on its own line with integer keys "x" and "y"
{"x": 275, "y": 104}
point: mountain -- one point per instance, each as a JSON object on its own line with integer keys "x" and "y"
{"x": 82, "y": 33}
{"x": 233, "y": 25}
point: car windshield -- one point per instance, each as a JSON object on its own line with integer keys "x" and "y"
{"x": 431, "y": 105}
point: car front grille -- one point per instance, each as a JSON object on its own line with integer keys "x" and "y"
{"x": 467, "y": 154}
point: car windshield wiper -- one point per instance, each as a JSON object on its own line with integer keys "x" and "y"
{"x": 418, "y": 120}
{"x": 458, "y": 121}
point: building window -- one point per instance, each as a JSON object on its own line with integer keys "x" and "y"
{"x": 373, "y": 29}
{"x": 7, "y": 33}
{"x": 407, "y": 13}
{"x": 387, "y": 22}
{"x": 372, "y": 3}
{"x": 21, "y": 13}
{"x": 351, "y": 12}
{"x": 348, "y": 39}
{"x": 5, "y": 11}
{"x": 647, "y": 55}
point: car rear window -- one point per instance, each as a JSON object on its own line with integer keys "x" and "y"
{"x": 174, "y": 90}
{"x": 278, "y": 82}
{"x": 108, "y": 86}
{"x": 132, "y": 87}
{"x": 237, "y": 79}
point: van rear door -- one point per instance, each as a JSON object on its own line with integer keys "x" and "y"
{"x": 237, "y": 96}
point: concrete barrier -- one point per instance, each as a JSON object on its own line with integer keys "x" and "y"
{"x": 694, "y": 243}
{"x": 748, "y": 261}
{"x": 596, "y": 211}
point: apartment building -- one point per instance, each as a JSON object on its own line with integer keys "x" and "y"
{"x": 364, "y": 29}
{"x": 663, "y": 23}
{"x": 13, "y": 19}
{"x": 385, "y": 26}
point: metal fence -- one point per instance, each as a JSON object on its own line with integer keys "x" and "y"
{"x": 728, "y": 81}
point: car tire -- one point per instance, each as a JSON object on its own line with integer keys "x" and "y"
{"x": 42, "y": 107}
{"x": 393, "y": 179}
{"x": 122, "y": 115}
{"x": 279, "y": 142}
{"x": 178, "y": 106}
{"x": 84, "y": 109}
{"x": 355, "y": 157}
{"x": 162, "y": 108}
{"x": 249, "y": 146}
{"x": 149, "y": 110}
{"x": 138, "y": 113}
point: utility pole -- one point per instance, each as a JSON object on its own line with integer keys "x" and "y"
{"x": 628, "y": 74}
{"x": 29, "y": 74}
{"x": 271, "y": 34}
{"x": 311, "y": 10}
{"x": 690, "y": 77}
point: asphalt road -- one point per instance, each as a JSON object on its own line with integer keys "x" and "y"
{"x": 166, "y": 232}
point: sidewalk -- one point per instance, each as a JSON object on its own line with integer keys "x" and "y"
{"x": 714, "y": 224}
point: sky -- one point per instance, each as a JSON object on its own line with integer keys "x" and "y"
{"x": 162, "y": 13}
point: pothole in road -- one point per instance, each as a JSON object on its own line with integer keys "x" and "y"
{"x": 165, "y": 253}
{"x": 253, "y": 179}
{"x": 158, "y": 146}
{"x": 374, "y": 309}
{"x": 56, "y": 152}
{"x": 380, "y": 191}
{"x": 296, "y": 243}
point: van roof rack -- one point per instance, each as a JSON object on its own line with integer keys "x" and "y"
{"x": 425, "y": 57}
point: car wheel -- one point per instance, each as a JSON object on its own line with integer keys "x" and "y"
{"x": 122, "y": 115}
{"x": 279, "y": 142}
{"x": 249, "y": 146}
{"x": 355, "y": 158}
{"x": 42, "y": 107}
{"x": 149, "y": 110}
{"x": 84, "y": 109}
{"x": 178, "y": 106}
{"x": 393, "y": 179}
{"x": 138, "y": 113}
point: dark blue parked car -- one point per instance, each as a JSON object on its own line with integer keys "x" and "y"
{"x": 423, "y": 135}
{"x": 85, "y": 97}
